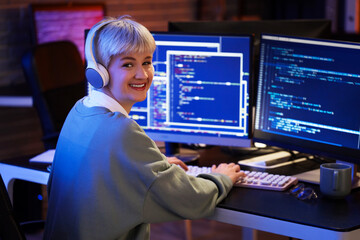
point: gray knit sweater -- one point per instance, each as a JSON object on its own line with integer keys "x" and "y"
{"x": 109, "y": 181}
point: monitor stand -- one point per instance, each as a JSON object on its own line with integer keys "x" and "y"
{"x": 187, "y": 156}
{"x": 272, "y": 160}
{"x": 313, "y": 176}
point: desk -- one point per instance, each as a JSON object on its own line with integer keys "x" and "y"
{"x": 16, "y": 96}
{"x": 275, "y": 212}
{"x": 16, "y": 101}
{"x": 21, "y": 169}
{"x": 283, "y": 214}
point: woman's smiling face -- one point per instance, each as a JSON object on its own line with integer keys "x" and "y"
{"x": 130, "y": 78}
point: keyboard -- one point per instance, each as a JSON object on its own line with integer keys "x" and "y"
{"x": 254, "y": 179}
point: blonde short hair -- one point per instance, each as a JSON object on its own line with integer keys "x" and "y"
{"x": 121, "y": 35}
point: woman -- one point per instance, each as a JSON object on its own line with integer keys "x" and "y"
{"x": 109, "y": 180}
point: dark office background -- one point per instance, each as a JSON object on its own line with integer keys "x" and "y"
{"x": 20, "y": 131}
{"x": 20, "y": 127}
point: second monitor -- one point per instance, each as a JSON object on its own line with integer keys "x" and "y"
{"x": 200, "y": 90}
{"x": 308, "y": 96}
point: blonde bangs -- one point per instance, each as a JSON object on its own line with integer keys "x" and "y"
{"x": 123, "y": 37}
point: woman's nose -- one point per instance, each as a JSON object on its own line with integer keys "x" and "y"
{"x": 141, "y": 73}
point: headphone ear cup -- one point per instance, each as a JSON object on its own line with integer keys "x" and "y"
{"x": 95, "y": 73}
{"x": 97, "y": 76}
{"x": 104, "y": 74}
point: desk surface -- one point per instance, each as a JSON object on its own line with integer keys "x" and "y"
{"x": 337, "y": 215}
{"x": 16, "y": 96}
{"x": 25, "y": 163}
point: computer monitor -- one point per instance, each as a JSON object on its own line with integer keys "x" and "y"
{"x": 308, "y": 96}
{"x": 200, "y": 91}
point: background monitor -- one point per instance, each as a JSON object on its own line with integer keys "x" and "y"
{"x": 308, "y": 96}
{"x": 319, "y": 28}
{"x": 200, "y": 91}
{"x": 314, "y": 28}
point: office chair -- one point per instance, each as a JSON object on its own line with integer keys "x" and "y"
{"x": 55, "y": 73}
{"x": 10, "y": 228}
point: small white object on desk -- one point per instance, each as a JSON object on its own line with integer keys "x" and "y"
{"x": 45, "y": 157}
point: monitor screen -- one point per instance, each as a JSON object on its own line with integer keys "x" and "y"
{"x": 200, "y": 90}
{"x": 308, "y": 96}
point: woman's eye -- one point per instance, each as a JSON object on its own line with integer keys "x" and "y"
{"x": 128, "y": 65}
{"x": 147, "y": 63}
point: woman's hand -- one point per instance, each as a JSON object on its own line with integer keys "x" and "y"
{"x": 175, "y": 160}
{"x": 232, "y": 170}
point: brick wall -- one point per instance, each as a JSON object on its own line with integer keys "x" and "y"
{"x": 20, "y": 130}
{"x": 15, "y": 38}
{"x": 15, "y": 26}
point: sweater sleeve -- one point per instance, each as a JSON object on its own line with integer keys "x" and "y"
{"x": 175, "y": 195}
{"x": 171, "y": 193}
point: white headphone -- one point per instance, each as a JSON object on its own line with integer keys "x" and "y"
{"x": 96, "y": 74}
